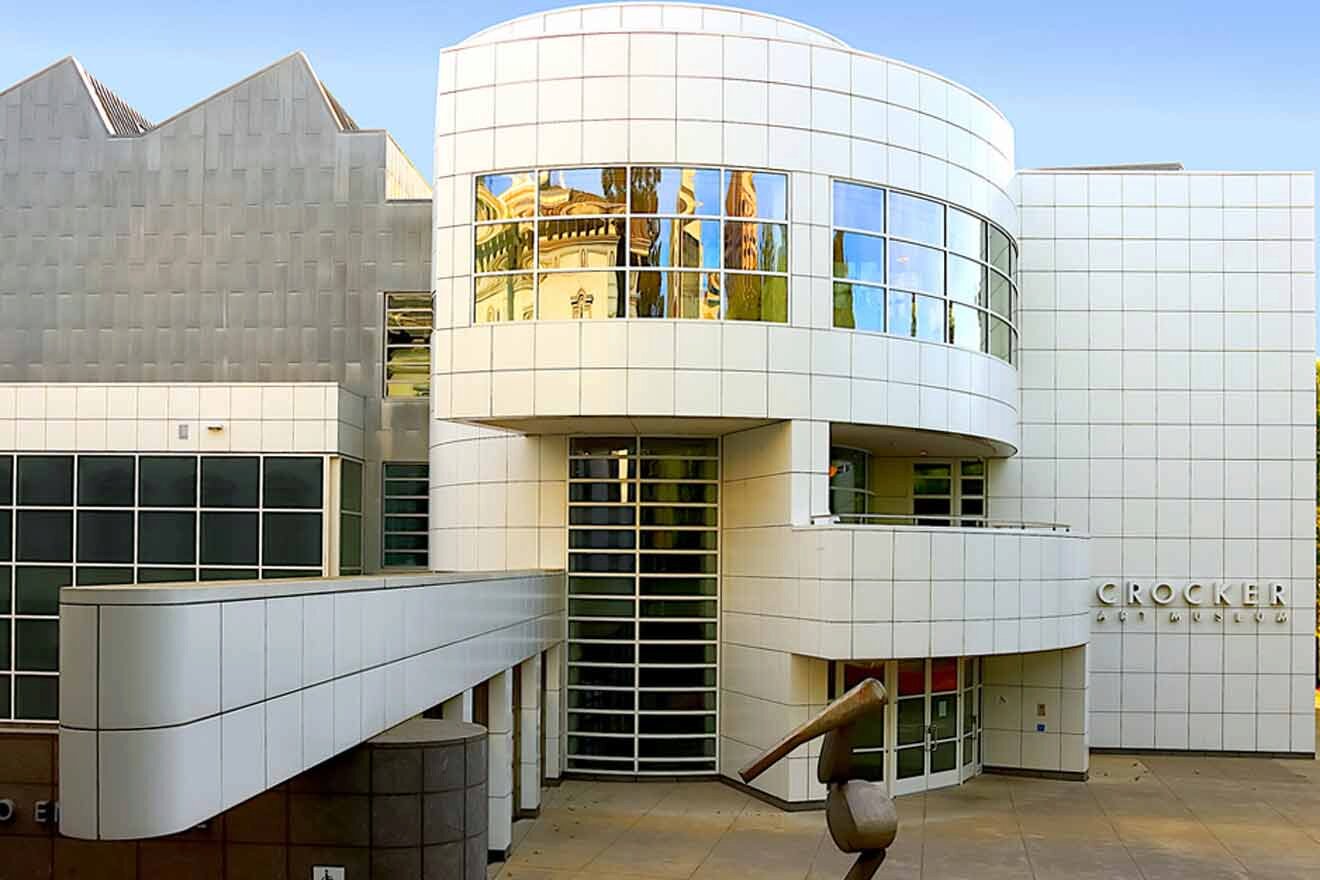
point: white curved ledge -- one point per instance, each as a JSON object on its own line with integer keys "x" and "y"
{"x": 178, "y": 702}
{"x": 879, "y": 592}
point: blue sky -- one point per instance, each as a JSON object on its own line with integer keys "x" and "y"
{"x": 1212, "y": 84}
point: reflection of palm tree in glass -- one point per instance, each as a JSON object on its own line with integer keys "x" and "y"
{"x": 741, "y": 248}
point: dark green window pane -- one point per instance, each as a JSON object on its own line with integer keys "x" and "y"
{"x": 601, "y": 746}
{"x": 696, "y": 747}
{"x": 406, "y": 505}
{"x": 600, "y": 630}
{"x": 36, "y": 698}
{"x": 672, "y": 608}
{"x": 679, "y": 469}
{"x": 672, "y": 724}
{"x": 693, "y": 563}
{"x": 105, "y": 536}
{"x": 678, "y": 516}
{"x": 291, "y": 539}
{"x": 45, "y": 479}
{"x": 394, "y": 470}
{"x": 230, "y": 482}
{"x": 606, "y": 446}
{"x": 350, "y": 541}
{"x": 5, "y": 714}
{"x": 406, "y": 524}
{"x": 578, "y": 469}
{"x": 229, "y": 574}
{"x": 601, "y": 562}
{"x": 37, "y": 588}
{"x": 618, "y": 700}
{"x": 678, "y": 654}
{"x": 414, "y": 488}
{"x": 672, "y": 767}
{"x": 296, "y": 482}
{"x": 6, "y": 585}
{"x": 601, "y": 539}
{"x": 229, "y": 538}
{"x": 591, "y": 652}
{"x": 4, "y": 651}
{"x": 676, "y": 702}
{"x": 6, "y": 539}
{"x": 167, "y": 481}
{"x": 37, "y": 645}
{"x": 680, "y": 586}
{"x": 6, "y": 484}
{"x": 406, "y": 542}
{"x": 165, "y": 575}
{"x": 676, "y": 540}
{"x": 600, "y": 608}
{"x": 944, "y": 757}
{"x": 167, "y": 537}
{"x": 45, "y": 536}
{"x": 911, "y": 762}
{"x": 91, "y": 576}
{"x": 579, "y": 722}
{"x": 284, "y": 574}
{"x": 600, "y": 493}
{"x": 600, "y": 586}
{"x": 105, "y": 480}
{"x": 350, "y": 485}
{"x": 677, "y": 632}
{"x": 396, "y": 559}
{"x": 680, "y": 493}
{"x": 601, "y": 516}
{"x": 675, "y": 677}
{"x": 601, "y": 676}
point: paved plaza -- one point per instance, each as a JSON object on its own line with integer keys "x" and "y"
{"x": 1142, "y": 817}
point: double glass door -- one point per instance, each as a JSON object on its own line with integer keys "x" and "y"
{"x": 929, "y": 734}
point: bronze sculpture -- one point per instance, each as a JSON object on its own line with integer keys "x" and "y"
{"x": 860, "y": 815}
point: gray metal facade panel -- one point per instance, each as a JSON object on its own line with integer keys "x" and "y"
{"x": 248, "y": 239}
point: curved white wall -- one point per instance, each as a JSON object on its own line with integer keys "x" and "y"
{"x": 710, "y": 86}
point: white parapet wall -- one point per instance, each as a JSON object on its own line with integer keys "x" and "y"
{"x": 180, "y": 701}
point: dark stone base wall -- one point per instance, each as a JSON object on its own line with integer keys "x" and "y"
{"x": 384, "y": 811}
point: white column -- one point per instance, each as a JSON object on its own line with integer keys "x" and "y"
{"x": 458, "y": 707}
{"x": 554, "y": 659}
{"x": 499, "y": 726}
{"x": 529, "y": 744}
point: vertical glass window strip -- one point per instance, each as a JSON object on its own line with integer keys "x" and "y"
{"x": 405, "y": 518}
{"x": 631, "y": 241}
{"x": 911, "y": 266}
{"x": 643, "y": 595}
{"x": 409, "y": 320}
{"x": 849, "y": 481}
{"x": 971, "y": 492}
{"x": 350, "y": 516}
{"x": 932, "y": 493}
{"x": 122, "y": 519}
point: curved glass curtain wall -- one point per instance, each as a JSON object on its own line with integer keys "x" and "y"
{"x": 631, "y": 242}
{"x": 912, "y": 266}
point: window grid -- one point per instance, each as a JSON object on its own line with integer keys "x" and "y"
{"x": 92, "y": 571}
{"x": 403, "y": 544}
{"x": 628, "y": 220}
{"x": 989, "y": 316}
{"x": 408, "y": 361}
{"x": 625, "y": 506}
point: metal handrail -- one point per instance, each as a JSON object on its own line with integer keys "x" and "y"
{"x": 930, "y": 519}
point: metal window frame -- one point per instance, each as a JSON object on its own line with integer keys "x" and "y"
{"x": 387, "y": 347}
{"x": 385, "y": 480}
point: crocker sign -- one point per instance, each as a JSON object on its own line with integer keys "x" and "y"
{"x": 1217, "y": 594}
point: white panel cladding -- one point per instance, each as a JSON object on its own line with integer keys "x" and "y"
{"x": 152, "y": 703}
{"x": 726, "y": 96}
{"x": 181, "y": 417}
{"x": 1034, "y": 711}
{"x": 1168, "y": 403}
{"x": 888, "y": 592}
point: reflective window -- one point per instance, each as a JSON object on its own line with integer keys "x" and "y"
{"x": 45, "y": 480}
{"x": 641, "y": 241}
{"x": 290, "y": 539}
{"x": 105, "y": 536}
{"x": 167, "y": 481}
{"x": 406, "y": 510}
{"x": 916, "y": 218}
{"x": 167, "y": 537}
{"x": 408, "y": 324}
{"x": 230, "y": 481}
{"x": 859, "y": 307}
{"x": 350, "y": 516}
{"x": 293, "y": 482}
{"x": 859, "y": 207}
{"x": 105, "y": 481}
{"x": 926, "y": 272}
{"x": 756, "y": 298}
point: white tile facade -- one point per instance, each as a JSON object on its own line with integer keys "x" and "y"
{"x": 1168, "y": 405}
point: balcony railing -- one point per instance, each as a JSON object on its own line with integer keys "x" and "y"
{"x": 927, "y": 519}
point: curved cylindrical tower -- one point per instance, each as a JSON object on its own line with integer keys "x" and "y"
{"x": 727, "y": 327}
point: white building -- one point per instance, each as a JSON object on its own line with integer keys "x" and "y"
{"x": 762, "y": 340}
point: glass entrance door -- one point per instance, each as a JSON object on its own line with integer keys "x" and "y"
{"x": 932, "y": 720}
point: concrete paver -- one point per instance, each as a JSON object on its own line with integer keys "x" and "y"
{"x": 1144, "y": 817}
